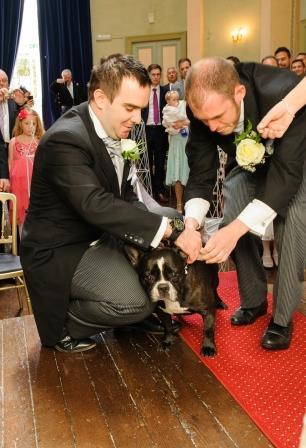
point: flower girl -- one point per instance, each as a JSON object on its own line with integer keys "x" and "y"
{"x": 26, "y": 135}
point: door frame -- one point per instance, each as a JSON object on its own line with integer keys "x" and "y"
{"x": 129, "y": 41}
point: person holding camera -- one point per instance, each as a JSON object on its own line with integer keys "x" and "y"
{"x": 8, "y": 113}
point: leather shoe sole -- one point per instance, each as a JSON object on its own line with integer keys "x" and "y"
{"x": 248, "y": 316}
{"x": 69, "y": 345}
{"x": 277, "y": 337}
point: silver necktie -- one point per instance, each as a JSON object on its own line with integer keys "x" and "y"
{"x": 114, "y": 149}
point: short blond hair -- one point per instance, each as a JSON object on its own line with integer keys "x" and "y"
{"x": 172, "y": 93}
{"x": 209, "y": 75}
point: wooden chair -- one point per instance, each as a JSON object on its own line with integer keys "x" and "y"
{"x": 10, "y": 266}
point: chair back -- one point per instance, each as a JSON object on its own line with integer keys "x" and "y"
{"x": 8, "y": 235}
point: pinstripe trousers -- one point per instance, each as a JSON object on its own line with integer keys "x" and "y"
{"x": 105, "y": 291}
{"x": 290, "y": 239}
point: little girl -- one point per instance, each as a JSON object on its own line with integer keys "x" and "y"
{"x": 27, "y": 132}
{"x": 176, "y": 123}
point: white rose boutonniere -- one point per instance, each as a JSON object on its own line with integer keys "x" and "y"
{"x": 130, "y": 150}
{"x": 250, "y": 151}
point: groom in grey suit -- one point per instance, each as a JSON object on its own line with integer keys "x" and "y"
{"x": 222, "y": 99}
{"x": 83, "y": 209}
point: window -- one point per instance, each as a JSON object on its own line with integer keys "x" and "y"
{"x": 27, "y": 66}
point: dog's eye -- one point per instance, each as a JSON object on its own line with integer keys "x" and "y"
{"x": 148, "y": 276}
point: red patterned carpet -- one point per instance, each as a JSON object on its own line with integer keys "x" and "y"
{"x": 270, "y": 386}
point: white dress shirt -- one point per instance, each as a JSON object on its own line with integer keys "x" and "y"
{"x": 256, "y": 215}
{"x": 5, "y": 121}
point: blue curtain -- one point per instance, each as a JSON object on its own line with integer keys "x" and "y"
{"x": 11, "y": 12}
{"x": 65, "y": 42}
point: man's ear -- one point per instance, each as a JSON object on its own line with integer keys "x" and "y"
{"x": 133, "y": 254}
{"x": 100, "y": 98}
{"x": 240, "y": 92}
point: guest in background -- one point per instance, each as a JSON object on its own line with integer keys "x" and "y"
{"x": 298, "y": 67}
{"x": 283, "y": 57}
{"x": 67, "y": 92}
{"x": 176, "y": 124}
{"x": 27, "y": 132}
{"x": 8, "y": 113}
{"x": 157, "y": 139}
{"x": 184, "y": 65}
{"x": 302, "y": 55}
{"x": 270, "y": 60}
{"x": 174, "y": 84}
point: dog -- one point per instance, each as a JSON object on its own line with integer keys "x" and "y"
{"x": 179, "y": 288}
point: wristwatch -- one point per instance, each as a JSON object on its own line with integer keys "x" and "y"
{"x": 177, "y": 226}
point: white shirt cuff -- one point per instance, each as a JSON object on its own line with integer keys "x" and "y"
{"x": 257, "y": 216}
{"x": 197, "y": 208}
{"x": 160, "y": 233}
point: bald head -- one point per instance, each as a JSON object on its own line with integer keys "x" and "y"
{"x": 210, "y": 75}
{"x": 3, "y": 79}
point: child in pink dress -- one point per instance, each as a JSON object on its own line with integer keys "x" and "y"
{"x": 27, "y": 132}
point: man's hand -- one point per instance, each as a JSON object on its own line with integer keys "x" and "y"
{"x": 60, "y": 81}
{"x": 19, "y": 97}
{"x": 5, "y": 185}
{"x": 275, "y": 123}
{"x": 190, "y": 242}
{"x": 220, "y": 245}
{"x": 4, "y": 94}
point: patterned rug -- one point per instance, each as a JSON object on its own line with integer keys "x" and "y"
{"x": 270, "y": 386}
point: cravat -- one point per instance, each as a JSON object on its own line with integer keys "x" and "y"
{"x": 114, "y": 150}
{"x": 155, "y": 107}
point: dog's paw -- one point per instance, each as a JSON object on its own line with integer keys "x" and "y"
{"x": 208, "y": 351}
{"x": 166, "y": 342}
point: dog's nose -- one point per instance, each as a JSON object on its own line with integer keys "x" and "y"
{"x": 163, "y": 288}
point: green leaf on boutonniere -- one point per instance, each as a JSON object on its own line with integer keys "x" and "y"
{"x": 248, "y": 133}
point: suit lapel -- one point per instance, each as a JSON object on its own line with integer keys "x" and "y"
{"x": 100, "y": 151}
{"x": 250, "y": 109}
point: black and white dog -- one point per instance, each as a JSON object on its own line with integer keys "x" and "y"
{"x": 179, "y": 288}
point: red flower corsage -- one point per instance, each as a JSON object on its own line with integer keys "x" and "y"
{"x": 22, "y": 114}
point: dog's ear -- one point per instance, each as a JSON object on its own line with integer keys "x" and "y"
{"x": 182, "y": 254}
{"x": 133, "y": 254}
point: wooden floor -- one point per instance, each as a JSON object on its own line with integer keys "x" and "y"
{"x": 124, "y": 394}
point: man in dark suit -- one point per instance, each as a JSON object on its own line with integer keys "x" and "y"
{"x": 83, "y": 208}
{"x": 157, "y": 138}
{"x": 222, "y": 99}
{"x": 8, "y": 114}
{"x": 67, "y": 92}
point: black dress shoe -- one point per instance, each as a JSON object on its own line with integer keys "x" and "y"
{"x": 277, "y": 337}
{"x": 248, "y": 316}
{"x": 69, "y": 345}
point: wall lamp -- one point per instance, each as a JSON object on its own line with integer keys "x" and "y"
{"x": 238, "y": 34}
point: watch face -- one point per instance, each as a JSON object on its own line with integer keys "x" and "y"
{"x": 178, "y": 224}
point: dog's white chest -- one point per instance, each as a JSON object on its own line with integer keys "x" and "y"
{"x": 174, "y": 308}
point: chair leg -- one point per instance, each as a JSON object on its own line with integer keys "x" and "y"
{"x": 30, "y": 309}
{"x": 18, "y": 282}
